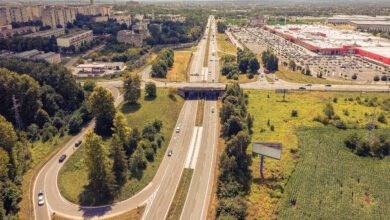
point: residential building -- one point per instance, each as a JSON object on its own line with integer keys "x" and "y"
{"x": 7, "y": 31}
{"x": 75, "y": 39}
{"x": 48, "y": 33}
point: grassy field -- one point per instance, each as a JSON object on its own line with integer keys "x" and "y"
{"x": 329, "y": 180}
{"x": 224, "y": 44}
{"x": 179, "y": 70}
{"x": 297, "y": 77}
{"x": 73, "y": 176}
{"x": 40, "y": 153}
{"x": 269, "y": 110}
{"x": 180, "y": 195}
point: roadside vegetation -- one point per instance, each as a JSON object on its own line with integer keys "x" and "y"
{"x": 163, "y": 63}
{"x": 244, "y": 65}
{"x": 179, "y": 200}
{"x": 149, "y": 123}
{"x": 234, "y": 174}
{"x": 178, "y": 72}
{"x": 341, "y": 112}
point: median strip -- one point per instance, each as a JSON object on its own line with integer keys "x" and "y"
{"x": 180, "y": 195}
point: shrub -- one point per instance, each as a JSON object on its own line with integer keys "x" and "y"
{"x": 376, "y": 78}
{"x": 151, "y": 89}
{"x": 382, "y": 118}
{"x": 272, "y": 128}
{"x": 340, "y": 125}
{"x": 89, "y": 85}
{"x": 294, "y": 113}
{"x": 335, "y": 99}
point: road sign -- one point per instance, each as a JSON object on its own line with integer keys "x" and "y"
{"x": 267, "y": 149}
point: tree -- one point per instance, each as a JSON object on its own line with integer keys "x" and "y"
{"x": 119, "y": 140}
{"x": 75, "y": 124}
{"x": 89, "y": 85}
{"x": 132, "y": 88}
{"x": 150, "y": 89}
{"x": 254, "y": 65}
{"x": 101, "y": 180}
{"x": 328, "y": 110}
{"x": 137, "y": 163}
{"x": 7, "y": 135}
{"x": 101, "y": 105}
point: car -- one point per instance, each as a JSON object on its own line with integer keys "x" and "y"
{"x": 302, "y": 88}
{"x": 41, "y": 201}
{"x": 212, "y": 110}
{"x": 177, "y": 129}
{"x": 308, "y": 84}
{"x": 62, "y": 158}
{"x": 170, "y": 152}
{"x": 328, "y": 85}
{"x": 78, "y": 143}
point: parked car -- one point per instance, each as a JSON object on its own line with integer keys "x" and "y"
{"x": 302, "y": 88}
{"x": 41, "y": 201}
{"x": 328, "y": 85}
{"x": 62, "y": 158}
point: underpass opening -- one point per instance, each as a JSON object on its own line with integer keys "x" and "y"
{"x": 208, "y": 93}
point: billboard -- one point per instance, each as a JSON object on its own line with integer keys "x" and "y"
{"x": 268, "y": 149}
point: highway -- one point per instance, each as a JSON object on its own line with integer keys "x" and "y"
{"x": 158, "y": 194}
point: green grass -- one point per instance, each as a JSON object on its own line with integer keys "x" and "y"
{"x": 266, "y": 193}
{"x": 180, "y": 195}
{"x": 225, "y": 45}
{"x": 269, "y": 79}
{"x": 73, "y": 176}
{"x": 331, "y": 182}
{"x": 297, "y": 77}
{"x": 199, "y": 113}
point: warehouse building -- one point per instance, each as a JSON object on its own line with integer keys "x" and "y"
{"x": 329, "y": 41}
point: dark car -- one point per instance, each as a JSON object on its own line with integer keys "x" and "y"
{"x": 302, "y": 88}
{"x": 62, "y": 158}
{"x": 328, "y": 85}
{"x": 308, "y": 84}
{"x": 78, "y": 143}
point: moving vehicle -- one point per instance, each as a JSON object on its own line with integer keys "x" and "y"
{"x": 62, "y": 158}
{"x": 213, "y": 52}
{"x": 177, "y": 129}
{"x": 302, "y": 88}
{"x": 170, "y": 152}
{"x": 78, "y": 143}
{"x": 328, "y": 85}
{"x": 212, "y": 110}
{"x": 41, "y": 201}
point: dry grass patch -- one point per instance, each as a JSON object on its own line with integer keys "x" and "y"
{"x": 224, "y": 44}
{"x": 178, "y": 73}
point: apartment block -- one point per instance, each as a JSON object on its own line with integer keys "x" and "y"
{"x": 75, "y": 39}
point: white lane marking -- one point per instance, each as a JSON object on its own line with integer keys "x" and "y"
{"x": 210, "y": 170}
{"x": 197, "y": 148}
{"x": 191, "y": 150}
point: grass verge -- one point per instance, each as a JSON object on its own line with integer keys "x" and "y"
{"x": 297, "y": 77}
{"x": 224, "y": 44}
{"x": 269, "y": 79}
{"x": 135, "y": 214}
{"x": 41, "y": 152}
{"x": 179, "y": 70}
{"x": 180, "y": 195}
{"x": 73, "y": 176}
{"x": 199, "y": 113}
{"x": 269, "y": 111}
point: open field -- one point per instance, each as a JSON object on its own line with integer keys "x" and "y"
{"x": 180, "y": 195}
{"x": 269, "y": 110}
{"x": 40, "y": 152}
{"x": 331, "y": 182}
{"x": 73, "y": 176}
{"x": 224, "y": 44}
{"x": 179, "y": 70}
{"x": 297, "y": 77}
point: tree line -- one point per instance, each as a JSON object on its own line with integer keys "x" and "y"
{"x": 130, "y": 150}
{"x": 164, "y": 61}
{"x": 234, "y": 177}
{"x": 368, "y": 145}
{"x": 20, "y": 43}
{"x": 270, "y": 61}
{"x": 221, "y": 27}
{"x": 246, "y": 63}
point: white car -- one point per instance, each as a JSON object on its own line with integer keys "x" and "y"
{"x": 41, "y": 201}
{"x": 177, "y": 129}
{"x": 212, "y": 110}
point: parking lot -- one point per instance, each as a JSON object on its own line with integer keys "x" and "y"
{"x": 332, "y": 67}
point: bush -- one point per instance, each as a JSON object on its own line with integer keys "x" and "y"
{"x": 335, "y": 99}
{"x": 340, "y": 125}
{"x": 150, "y": 90}
{"x": 272, "y": 128}
{"x": 382, "y": 118}
{"x": 294, "y": 113}
{"x": 376, "y": 78}
{"x": 89, "y": 85}
{"x": 172, "y": 92}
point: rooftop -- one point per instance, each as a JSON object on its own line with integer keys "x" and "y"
{"x": 75, "y": 34}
